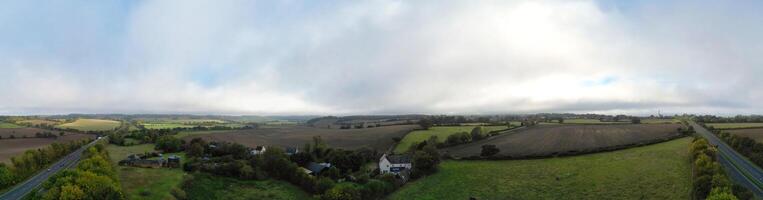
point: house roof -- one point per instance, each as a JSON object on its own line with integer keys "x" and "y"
{"x": 317, "y": 167}
{"x": 259, "y": 148}
{"x": 291, "y": 150}
{"x": 399, "y": 159}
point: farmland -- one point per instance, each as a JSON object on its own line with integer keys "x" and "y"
{"x": 37, "y": 122}
{"x": 91, "y": 125}
{"x": 13, "y": 147}
{"x": 442, "y": 133}
{"x": 559, "y": 139}
{"x": 6, "y": 133}
{"x": 591, "y": 121}
{"x": 735, "y": 125}
{"x": 143, "y": 183}
{"x": 379, "y": 138}
{"x": 4, "y": 125}
{"x": 755, "y": 134}
{"x": 659, "y": 171}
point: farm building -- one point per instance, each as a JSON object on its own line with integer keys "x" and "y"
{"x": 258, "y": 150}
{"x": 394, "y": 163}
{"x": 143, "y": 161}
{"x": 316, "y": 168}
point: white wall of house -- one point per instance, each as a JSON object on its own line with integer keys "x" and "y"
{"x": 386, "y": 167}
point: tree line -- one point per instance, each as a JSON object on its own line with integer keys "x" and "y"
{"x": 94, "y": 178}
{"x": 44, "y": 134}
{"x": 710, "y": 181}
{"x": 27, "y": 164}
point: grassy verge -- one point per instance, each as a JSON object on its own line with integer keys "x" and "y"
{"x": 442, "y": 133}
{"x": 735, "y": 125}
{"x": 659, "y": 171}
{"x": 204, "y": 186}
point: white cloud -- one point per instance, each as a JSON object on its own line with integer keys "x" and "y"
{"x": 243, "y": 57}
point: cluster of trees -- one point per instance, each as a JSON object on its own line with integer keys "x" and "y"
{"x": 169, "y": 144}
{"x": 94, "y": 178}
{"x": 477, "y": 133}
{"x": 710, "y": 181}
{"x": 25, "y": 165}
{"x": 345, "y": 179}
{"x": 426, "y": 158}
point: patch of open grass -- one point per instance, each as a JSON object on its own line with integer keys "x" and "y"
{"x": 205, "y": 186}
{"x": 146, "y": 183}
{"x": 735, "y": 125}
{"x": 9, "y": 125}
{"x": 659, "y": 171}
{"x": 92, "y": 125}
{"x": 442, "y": 133}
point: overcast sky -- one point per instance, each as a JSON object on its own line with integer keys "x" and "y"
{"x": 381, "y": 57}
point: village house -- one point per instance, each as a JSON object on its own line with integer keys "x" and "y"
{"x": 394, "y": 163}
{"x": 258, "y": 150}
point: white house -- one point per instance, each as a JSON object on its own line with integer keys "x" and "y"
{"x": 258, "y": 150}
{"x": 394, "y": 163}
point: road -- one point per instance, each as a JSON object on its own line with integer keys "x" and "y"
{"x": 741, "y": 170}
{"x": 31, "y": 184}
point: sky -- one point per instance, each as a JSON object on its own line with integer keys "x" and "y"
{"x": 381, "y": 57}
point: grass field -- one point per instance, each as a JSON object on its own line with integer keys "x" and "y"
{"x": 145, "y": 183}
{"x": 91, "y": 125}
{"x": 165, "y": 126}
{"x": 9, "y": 125}
{"x": 735, "y": 125}
{"x": 206, "y": 186}
{"x": 544, "y": 140}
{"x": 442, "y": 133}
{"x": 659, "y": 171}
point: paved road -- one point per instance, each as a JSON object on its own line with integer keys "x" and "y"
{"x": 737, "y": 166}
{"x": 31, "y": 184}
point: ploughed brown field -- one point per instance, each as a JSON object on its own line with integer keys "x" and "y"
{"x": 6, "y": 133}
{"x": 13, "y": 147}
{"x": 564, "y": 139}
{"x": 754, "y": 133}
{"x": 379, "y": 138}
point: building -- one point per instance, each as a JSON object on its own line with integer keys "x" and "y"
{"x": 258, "y": 150}
{"x": 316, "y": 168}
{"x": 395, "y": 163}
{"x": 173, "y": 161}
{"x": 291, "y": 150}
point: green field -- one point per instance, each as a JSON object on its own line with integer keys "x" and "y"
{"x": 735, "y": 125}
{"x": 206, "y": 186}
{"x": 442, "y": 133}
{"x": 9, "y": 125}
{"x": 91, "y": 125}
{"x": 179, "y": 125}
{"x": 145, "y": 183}
{"x": 659, "y": 171}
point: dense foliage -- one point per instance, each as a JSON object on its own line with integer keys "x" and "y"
{"x": 710, "y": 181}
{"x": 94, "y": 178}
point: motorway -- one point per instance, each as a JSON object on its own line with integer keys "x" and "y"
{"x": 21, "y": 190}
{"x": 739, "y": 168}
